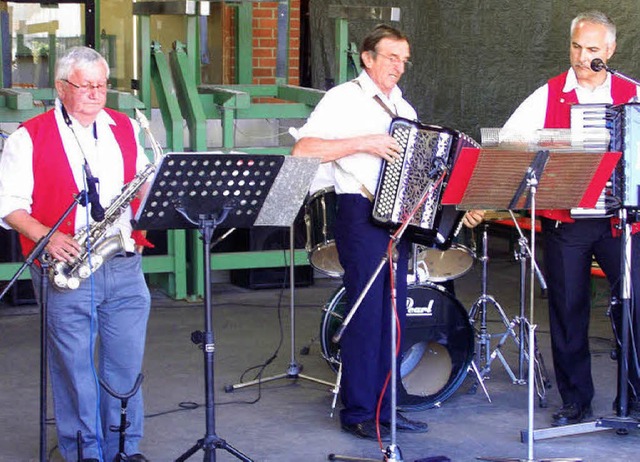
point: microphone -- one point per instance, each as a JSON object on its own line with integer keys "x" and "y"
{"x": 97, "y": 211}
{"x": 597, "y": 65}
{"x": 437, "y": 168}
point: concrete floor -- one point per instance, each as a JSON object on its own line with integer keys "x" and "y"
{"x": 289, "y": 419}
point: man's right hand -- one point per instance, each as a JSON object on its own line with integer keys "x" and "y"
{"x": 60, "y": 247}
{"x": 63, "y": 247}
{"x": 383, "y": 145}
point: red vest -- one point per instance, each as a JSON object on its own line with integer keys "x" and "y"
{"x": 54, "y": 186}
{"x": 559, "y": 116}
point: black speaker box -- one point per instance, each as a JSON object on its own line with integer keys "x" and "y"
{"x": 21, "y": 293}
{"x": 271, "y": 238}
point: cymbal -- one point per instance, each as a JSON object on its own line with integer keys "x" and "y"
{"x": 491, "y": 215}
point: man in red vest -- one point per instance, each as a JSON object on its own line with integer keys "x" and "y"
{"x": 45, "y": 163}
{"x": 570, "y": 245}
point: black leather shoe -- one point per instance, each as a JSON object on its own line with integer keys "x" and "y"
{"x": 367, "y": 430}
{"x": 408, "y": 426}
{"x": 569, "y": 414}
{"x": 137, "y": 458}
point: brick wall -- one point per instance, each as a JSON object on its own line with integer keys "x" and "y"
{"x": 265, "y": 42}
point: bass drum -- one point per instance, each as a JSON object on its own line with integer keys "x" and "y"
{"x": 437, "y": 347}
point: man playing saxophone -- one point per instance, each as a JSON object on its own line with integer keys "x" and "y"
{"x": 81, "y": 146}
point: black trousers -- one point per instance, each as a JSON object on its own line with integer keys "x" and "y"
{"x": 365, "y": 349}
{"x": 568, "y": 252}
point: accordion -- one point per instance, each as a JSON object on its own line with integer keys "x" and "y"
{"x": 623, "y": 125}
{"x": 624, "y": 120}
{"x": 402, "y": 184}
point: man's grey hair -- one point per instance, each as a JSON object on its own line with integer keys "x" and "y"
{"x": 596, "y": 17}
{"x": 78, "y": 58}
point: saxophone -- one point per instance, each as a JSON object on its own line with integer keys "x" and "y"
{"x": 96, "y": 249}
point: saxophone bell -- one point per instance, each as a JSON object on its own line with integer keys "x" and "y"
{"x": 104, "y": 251}
{"x": 65, "y": 277}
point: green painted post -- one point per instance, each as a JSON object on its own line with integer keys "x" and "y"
{"x": 244, "y": 49}
{"x": 144, "y": 77}
{"x": 172, "y": 121}
{"x": 342, "y": 37}
{"x": 193, "y": 111}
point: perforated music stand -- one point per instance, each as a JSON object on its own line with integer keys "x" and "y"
{"x": 528, "y": 180}
{"x": 204, "y": 189}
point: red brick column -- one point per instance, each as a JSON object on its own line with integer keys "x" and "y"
{"x": 265, "y": 42}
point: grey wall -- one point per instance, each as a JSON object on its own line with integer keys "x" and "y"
{"x": 476, "y": 60}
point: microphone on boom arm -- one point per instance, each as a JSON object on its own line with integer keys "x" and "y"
{"x": 597, "y": 65}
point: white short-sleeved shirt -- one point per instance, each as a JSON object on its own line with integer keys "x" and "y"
{"x": 350, "y": 110}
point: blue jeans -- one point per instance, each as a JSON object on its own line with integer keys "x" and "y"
{"x": 122, "y": 302}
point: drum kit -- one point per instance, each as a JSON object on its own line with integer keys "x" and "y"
{"x": 442, "y": 342}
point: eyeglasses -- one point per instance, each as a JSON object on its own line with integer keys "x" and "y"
{"x": 87, "y": 87}
{"x": 395, "y": 60}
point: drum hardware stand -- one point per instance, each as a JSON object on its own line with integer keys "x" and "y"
{"x": 294, "y": 369}
{"x": 484, "y": 355}
{"x": 524, "y": 252}
{"x": 336, "y": 387}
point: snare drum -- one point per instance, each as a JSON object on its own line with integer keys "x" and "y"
{"x": 320, "y": 216}
{"x": 437, "y": 345}
{"x": 436, "y": 265}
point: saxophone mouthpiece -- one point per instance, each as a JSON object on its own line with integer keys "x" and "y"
{"x": 142, "y": 119}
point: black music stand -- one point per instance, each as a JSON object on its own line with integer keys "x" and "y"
{"x": 204, "y": 189}
{"x": 555, "y": 179}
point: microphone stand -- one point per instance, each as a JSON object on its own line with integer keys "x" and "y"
{"x": 36, "y": 252}
{"x": 597, "y": 65}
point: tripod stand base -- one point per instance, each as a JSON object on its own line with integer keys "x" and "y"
{"x": 620, "y": 424}
{"x": 350, "y": 458}
{"x": 292, "y": 373}
{"x": 209, "y": 445}
{"x": 502, "y": 459}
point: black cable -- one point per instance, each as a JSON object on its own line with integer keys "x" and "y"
{"x": 97, "y": 211}
{"x": 263, "y": 366}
